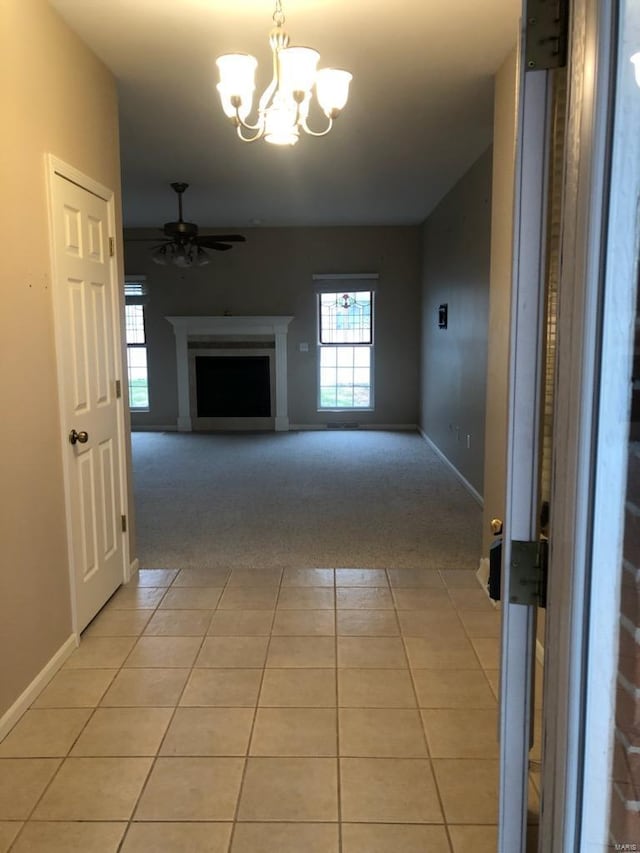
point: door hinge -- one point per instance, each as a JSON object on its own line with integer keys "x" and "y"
{"x": 528, "y": 572}
{"x": 123, "y": 519}
{"x": 547, "y": 34}
{"x": 112, "y": 248}
{"x": 118, "y": 389}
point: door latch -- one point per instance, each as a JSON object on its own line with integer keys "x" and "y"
{"x": 528, "y": 572}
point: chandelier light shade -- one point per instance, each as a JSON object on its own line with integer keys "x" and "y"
{"x": 283, "y": 108}
{"x": 636, "y": 62}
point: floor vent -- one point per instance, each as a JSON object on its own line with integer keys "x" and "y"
{"x": 343, "y": 426}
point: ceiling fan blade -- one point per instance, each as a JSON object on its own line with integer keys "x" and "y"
{"x": 143, "y": 240}
{"x": 225, "y": 238}
{"x": 212, "y": 241}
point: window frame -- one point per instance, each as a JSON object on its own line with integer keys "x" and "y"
{"x": 349, "y": 285}
{"x": 136, "y": 299}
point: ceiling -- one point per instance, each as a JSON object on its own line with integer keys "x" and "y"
{"x": 419, "y": 112}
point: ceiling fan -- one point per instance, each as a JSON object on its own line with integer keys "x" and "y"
{"x": 184, "y": 246}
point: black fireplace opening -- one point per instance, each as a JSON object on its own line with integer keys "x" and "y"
{"x": 233, "y": 386}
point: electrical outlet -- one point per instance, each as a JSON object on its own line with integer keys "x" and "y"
{"x": 304, "y": 347}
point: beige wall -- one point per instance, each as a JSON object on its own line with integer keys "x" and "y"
{"x": 272, "y": 274}
{"x": 57, "y": 97}
{"x": 456, "y": 239}
{"x": 504, "y": 132}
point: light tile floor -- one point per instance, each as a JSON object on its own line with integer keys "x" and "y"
{"x": 330, "y": 711}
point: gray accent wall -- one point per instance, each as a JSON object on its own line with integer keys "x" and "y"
{"x": 456, "y": 260}
{"x": 271, "y": 274}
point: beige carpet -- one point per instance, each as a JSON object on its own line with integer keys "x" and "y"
{"x": 307, "y": 499}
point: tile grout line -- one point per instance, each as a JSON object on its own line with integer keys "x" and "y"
{"x": 337, "y": 686}
{"x": 68, "y": 755}
{"x": 482, "y": 668}
{"x": 424, "y": 732}
{"x": 236, "y": 812}
{"x": 143, "y": 788}
{"x": 204, "y": 637}
{"x": 435, "y": 778}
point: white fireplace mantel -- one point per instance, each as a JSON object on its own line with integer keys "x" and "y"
{"x": 185, "y": 327}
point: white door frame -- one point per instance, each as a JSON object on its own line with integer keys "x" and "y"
{"x": 54, "y": 166}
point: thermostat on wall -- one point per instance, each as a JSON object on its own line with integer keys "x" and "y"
{"x": 443, "y": 313}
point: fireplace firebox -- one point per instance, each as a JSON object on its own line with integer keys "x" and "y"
{"x": 233, "y": 386}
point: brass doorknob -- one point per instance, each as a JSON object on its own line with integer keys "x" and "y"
{"x": 496, "y": 526}
{"x": 82, "y": 437}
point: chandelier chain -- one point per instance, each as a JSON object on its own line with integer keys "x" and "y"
{"x": 278, "y": 15}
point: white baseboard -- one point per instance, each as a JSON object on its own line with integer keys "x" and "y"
{"x": 359, "y": 428}
{"x": 134, "y": 568}
{"x": 153, "y": 428}
{"x": 31, "y": 693}
{"x": 482, "y": 575}
{"x": 471, "y": 489}
{"x": 291, "y": 427}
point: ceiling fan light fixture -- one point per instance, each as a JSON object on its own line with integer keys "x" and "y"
{"x": 202, "y": 258}
{"x": 283, "y": 107}
{"x": 184, "y": 246}
{"x": 159, "y": 256}
{"x": 182, "y": 258}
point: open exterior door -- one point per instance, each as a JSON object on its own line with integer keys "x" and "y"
{"x": 596, "y": 329}
{"x": 580, "y": 652}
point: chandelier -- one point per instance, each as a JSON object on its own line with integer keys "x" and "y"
{"x": 283, "y": 108}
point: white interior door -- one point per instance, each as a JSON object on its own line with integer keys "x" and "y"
{"x": 86, "y": 306}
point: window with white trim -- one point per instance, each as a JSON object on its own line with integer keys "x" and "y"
{"x": 136, "y": 338}
{"x": 345, "y": 345}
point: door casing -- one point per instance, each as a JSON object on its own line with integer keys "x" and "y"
{"x": 524, "y": 442}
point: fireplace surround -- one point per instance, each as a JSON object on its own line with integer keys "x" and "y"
{"x": 271, "y": 331}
